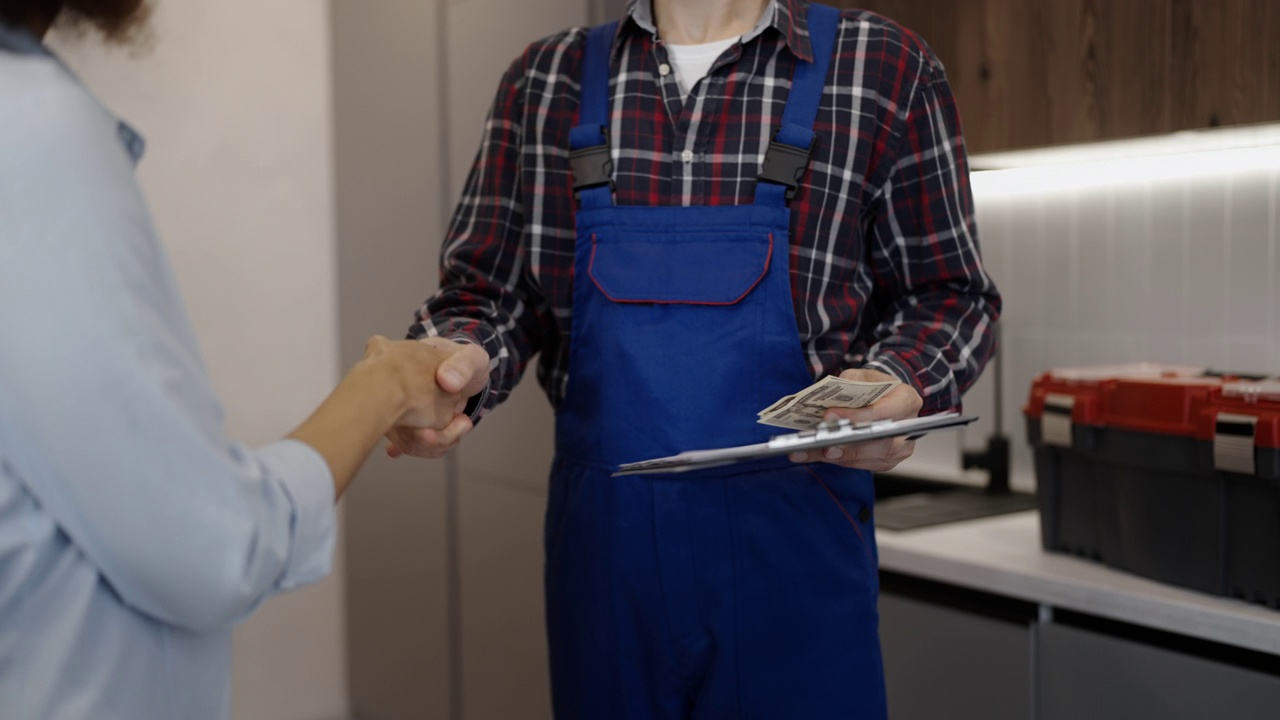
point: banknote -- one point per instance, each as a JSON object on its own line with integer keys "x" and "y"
{"x": 804, "y": 410}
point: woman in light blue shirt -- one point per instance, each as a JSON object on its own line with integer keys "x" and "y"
{"x": 133, "y": 533}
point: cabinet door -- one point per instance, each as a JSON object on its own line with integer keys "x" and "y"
{"x": 1083, "y": 674}
{"x": 943, "y": 662}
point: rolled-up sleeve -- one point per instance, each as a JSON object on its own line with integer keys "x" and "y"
{"x": 937, "y": 328}
{"x": 106, "y": 409}
{"x": 485, "y": 296}
{"x": 296, "y": 465}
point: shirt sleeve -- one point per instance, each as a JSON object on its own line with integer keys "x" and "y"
{"x": 935, "y": 307}
{"x": 487, "y": 295}
{"x": 106, "y": 409}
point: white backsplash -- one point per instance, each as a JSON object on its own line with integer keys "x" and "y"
{"x": 1181, "y": 270}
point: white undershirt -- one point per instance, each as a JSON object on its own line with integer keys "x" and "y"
{"x": 691, "y": 63}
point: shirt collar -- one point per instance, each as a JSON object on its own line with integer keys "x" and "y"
{"x": 20, "y": 41}
{"x": 788, "y": 17}
{"x": 133, "y": 143}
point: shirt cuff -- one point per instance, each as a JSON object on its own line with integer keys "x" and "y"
{"x": 476, "y": 403}
{"x": 307, "y": 480}
{"x": 891, "y": 366}
{"x": 896, "y": 366}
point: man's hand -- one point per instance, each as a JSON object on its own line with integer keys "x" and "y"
{"x": 462, "y": 371}
{"x": 900, "y": 403}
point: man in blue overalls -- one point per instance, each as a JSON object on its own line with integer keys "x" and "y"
{"x": 691, "y": 214}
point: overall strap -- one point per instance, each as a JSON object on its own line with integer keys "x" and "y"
{"x": 589, "y": 157}
{"x": 789, "y": 151}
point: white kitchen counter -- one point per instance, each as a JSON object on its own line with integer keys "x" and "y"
{"x": 1002, "y": 555}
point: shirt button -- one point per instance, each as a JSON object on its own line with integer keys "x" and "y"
{"x": 664, "y": 69}
{"x": 864, "y": 515}
{"x": 687, "y": 156}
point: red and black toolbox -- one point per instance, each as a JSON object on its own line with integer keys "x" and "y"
{"x": 1165, "y": 471}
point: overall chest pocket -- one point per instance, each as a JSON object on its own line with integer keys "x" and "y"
{"x": 690, "y": 268}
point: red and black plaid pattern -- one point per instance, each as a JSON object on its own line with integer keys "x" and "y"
{"x": 885, "y": 267}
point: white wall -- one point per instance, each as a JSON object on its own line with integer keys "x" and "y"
{"x": 1177, "y": 270}
{"x": 1104, "y": 267}
{"x": 233, "y": 98}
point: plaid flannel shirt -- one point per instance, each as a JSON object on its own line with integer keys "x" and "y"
{"x": 885, "y": 266}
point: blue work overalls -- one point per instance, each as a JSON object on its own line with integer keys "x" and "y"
{"x": 740, "y": 592}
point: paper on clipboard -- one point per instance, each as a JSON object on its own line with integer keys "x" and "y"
{"x": 825, "y": 435}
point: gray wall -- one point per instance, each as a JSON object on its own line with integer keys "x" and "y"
{"x": 502, "y": 466}
{"x": 602, "y": 10}
{"x": 444, "y": 591}
{"x": 388, "y": 130}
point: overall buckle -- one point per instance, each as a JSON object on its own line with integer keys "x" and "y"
{"x": 591, "y": 166}
{"x": 785, "y": 165}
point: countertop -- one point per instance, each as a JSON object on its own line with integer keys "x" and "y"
{"x": 1002, "y": 555}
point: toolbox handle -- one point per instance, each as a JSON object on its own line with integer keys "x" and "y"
{"x": 1055, "y": 423}
{"x": 1233, "y": 443}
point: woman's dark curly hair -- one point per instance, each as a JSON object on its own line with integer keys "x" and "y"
{"x": 117, "y": 20}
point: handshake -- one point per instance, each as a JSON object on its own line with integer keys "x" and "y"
{"x": 435, "y": 377}
{"x": 412, "y": 392}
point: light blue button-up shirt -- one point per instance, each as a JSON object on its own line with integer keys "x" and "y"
{"x": 133, "y": 533}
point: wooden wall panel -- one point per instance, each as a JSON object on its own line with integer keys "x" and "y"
{"x": 1223, "y": 67}
{"x": 1271, "y": 63}
{"x": 1066, "y": 33}
{"x": 1010, "y": 89}
{"x": 1041, "y": 72}
{"x": 1133, "y": 68}
{"x": 1198, "y": 33}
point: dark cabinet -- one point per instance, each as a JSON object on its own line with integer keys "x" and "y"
{"x": 1086, "y": 674}
{"x": 956, "y": 653}
{"x": 952, "y": 653}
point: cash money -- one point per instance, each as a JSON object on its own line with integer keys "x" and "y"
{"x": 804, "y": 410}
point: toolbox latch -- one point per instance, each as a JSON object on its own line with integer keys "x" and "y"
{"x": 1233, "y": 443}
{"x": 1055, "y": 424}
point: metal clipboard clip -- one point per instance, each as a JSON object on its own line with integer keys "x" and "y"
{"x": 824, "y": 435}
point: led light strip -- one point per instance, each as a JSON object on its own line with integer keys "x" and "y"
{"x": 1119, "y": 162}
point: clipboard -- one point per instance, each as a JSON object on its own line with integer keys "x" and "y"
{"x": 824, "y": 435}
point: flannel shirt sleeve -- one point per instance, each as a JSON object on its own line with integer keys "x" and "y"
{"x": 935, "y": 327}
{"x": 485, "y": 296}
